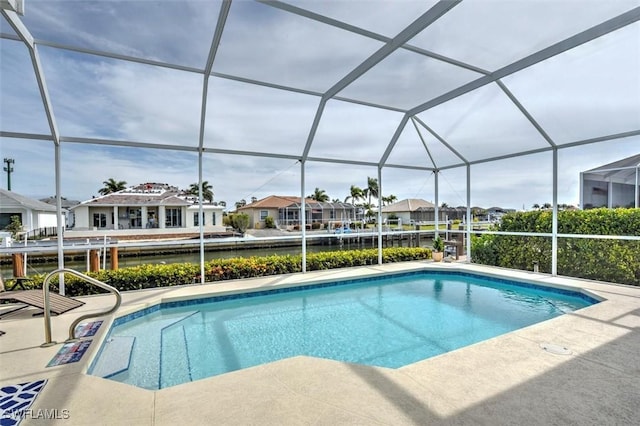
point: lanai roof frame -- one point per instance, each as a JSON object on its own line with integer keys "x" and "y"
{"x": 403, "y": 41}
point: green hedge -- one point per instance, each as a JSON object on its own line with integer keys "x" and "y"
{"x": 606, "y": 260}
{"x": 150, "y": 276}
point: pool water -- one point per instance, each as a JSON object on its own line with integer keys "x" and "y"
{"x": 389, "y": 322}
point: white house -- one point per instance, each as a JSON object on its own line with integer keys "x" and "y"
{"x": 611, "y": 185}
{"x": 404, "y": 210}
{"x": 148, "y": 208}
{"x": 66, "y": 206}
{"x": 33, "y": 214}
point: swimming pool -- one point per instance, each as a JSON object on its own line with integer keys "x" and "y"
{"x": 387, "y": 321}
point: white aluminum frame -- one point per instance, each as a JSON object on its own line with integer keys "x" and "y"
{"x": 401, "y": 41}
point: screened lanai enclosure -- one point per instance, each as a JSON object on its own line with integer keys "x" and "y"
{"x": 473, "y": 103}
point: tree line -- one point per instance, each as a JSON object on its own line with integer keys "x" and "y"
{"x": 111, "y": 185}
{"x": 362, "y": 197}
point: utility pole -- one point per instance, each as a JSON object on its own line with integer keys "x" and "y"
{"x": 9, "y": 168}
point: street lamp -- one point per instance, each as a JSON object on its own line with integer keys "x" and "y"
{"x": 9, "y": 168}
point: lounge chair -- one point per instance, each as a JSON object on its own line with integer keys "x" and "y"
{"x": 57, "y": 304}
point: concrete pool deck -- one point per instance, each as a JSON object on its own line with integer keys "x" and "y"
{"x": 509, "y": 379}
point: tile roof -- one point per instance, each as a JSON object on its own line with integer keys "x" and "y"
{"x": 145, "y": 194}
{"x": 119, "y": 199}
{"x": 281, "y": 201}
{"x": 65, "y": 203}
{"x": 27, "y": 202}
{"x": 273, "y": 202}
{"x": 407, "y": 205}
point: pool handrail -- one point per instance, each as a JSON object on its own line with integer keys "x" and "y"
{"x": 47, "y": 310}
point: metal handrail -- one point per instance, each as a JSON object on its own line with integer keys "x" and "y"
{"x": 47, "y": 311}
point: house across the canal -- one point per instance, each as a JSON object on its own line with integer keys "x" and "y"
{"x": 148, "y": 208}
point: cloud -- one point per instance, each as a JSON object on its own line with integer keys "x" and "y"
{"x": 266, "y": 44}
{"x": 21, "y": 107}
{"x": 175, "y": 32}
{"x": 104, "y": 98}
{"x": 354, "y": 132}
{"x": 588, "y": 92}
{"x": 404, "y": 80}
{"x": 493, "y": 34}
{"x": 255, "y": 118}
{"x": 386, "y": 18}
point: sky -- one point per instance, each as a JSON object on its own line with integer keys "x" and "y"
{"x": 591, "y": 91}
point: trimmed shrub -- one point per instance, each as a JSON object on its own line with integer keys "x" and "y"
{"x": 605, "y": 260}
{"x": 240, "y": 222}
{"x": 269, "y": 222}
{"x": 150, "y": 276}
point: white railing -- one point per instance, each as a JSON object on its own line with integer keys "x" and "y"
{"x": 72, "y": 328}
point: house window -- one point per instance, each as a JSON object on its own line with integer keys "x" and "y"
{"x": 316, "y": 215}
{"x": 213, "y": 219}
{"x": 174, "y": 218}
{"x": 100, "y": 220}
{"x": 196, "y": 221}
{"x": 135, "y": 218}
{"x": 5, "y": 219}
{"x": 264, "y": 214}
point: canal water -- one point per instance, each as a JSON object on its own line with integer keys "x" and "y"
{"x": 137, "y": 255}
{"x": 125, "y": 260}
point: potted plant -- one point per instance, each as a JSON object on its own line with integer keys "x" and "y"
{"x": 438, "y": 249}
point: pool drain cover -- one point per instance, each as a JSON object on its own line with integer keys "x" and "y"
{"x": 555, "y": 349}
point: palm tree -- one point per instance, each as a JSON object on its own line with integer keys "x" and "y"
{"x": 355, "y": 194}
{"x": 389, "y": 200}
{"x": 369, "y": 213}
{"x": 319, "y": 195}
{"x": 372, "y": 189}
{"x": 536, "y": 206}
{"x": 207, "y": 190}
{"x": 547, "y": 206}
{"x": 444, "y": 206}
{"x": 111, "y": 185}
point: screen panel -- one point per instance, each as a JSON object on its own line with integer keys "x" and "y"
{"x": 405, "y": 79}
{"x": 493, "y": 34}
{"x": 590, "y": 91}
{"x": 355, "y": 132}
{"x": 106, "y": 98}
{"x": 21, "y": 106}
{"x": 167, "y": 31}
{"x": 269, "y": 45}
{"x": 483, "y": 124}
{"x": 248, "y": 117}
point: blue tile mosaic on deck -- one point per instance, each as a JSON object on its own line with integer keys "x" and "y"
{"x": 70, "y": 352}
{"x": 191, "y": 302}
{"x": 15, "y": 400}
{"x": 88, "y": 329}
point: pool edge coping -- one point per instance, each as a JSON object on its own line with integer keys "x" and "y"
{"x": 525, "y": 277}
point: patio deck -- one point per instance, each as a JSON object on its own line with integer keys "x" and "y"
{"x": 509, "y": 379}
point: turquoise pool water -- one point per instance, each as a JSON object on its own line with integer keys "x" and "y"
{"x": 391, "y": 322}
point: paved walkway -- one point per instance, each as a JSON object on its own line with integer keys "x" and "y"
{"x": 509, "y": 379}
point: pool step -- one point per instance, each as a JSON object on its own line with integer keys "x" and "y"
{"x": 174, "y": 356}
{"x": 174, "y": 361}
{"x": 115, "y": 356}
